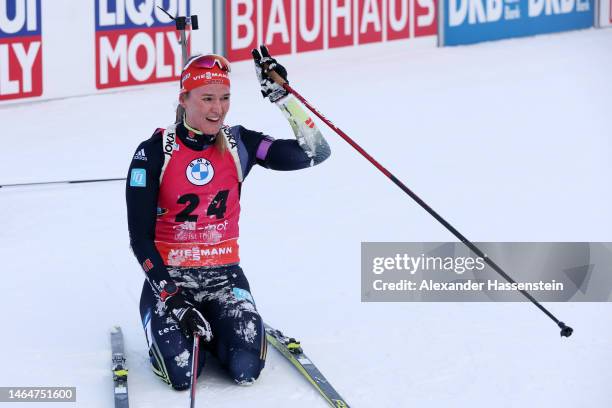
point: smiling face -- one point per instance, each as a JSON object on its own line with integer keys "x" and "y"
{"x": 206, "y": 107}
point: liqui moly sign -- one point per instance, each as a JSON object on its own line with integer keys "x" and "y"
{"x": 136, "y": 42}
{"x": 289, "y": 26}
{"x": 20, "y": 49}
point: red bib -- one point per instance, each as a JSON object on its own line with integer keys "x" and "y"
{"x": 198, "y": 208}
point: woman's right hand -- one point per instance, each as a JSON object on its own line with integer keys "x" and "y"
{"x": 188, "y": 318}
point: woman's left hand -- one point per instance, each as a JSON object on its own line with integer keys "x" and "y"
{"x": 264, "y": 63}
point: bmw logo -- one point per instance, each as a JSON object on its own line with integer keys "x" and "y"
{"x": 200, "y": 172}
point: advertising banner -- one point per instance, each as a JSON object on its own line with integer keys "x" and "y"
{"x": 93, "y": 46}
{"x": 137, "y": 43}
{"x": 472, "y": 21}
{"x": 294, "y": 26}
{"x": 21, "y": 62}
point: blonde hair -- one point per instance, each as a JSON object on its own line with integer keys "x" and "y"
{"x": 220, "y": 143}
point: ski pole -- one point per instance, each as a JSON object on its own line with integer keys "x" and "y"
{"x": 194, "y": 368}
{"x": 42, "y": 183}
{"x": 566, "y": 331}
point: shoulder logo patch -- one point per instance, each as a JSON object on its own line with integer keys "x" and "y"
{"x": 138, "y": 178}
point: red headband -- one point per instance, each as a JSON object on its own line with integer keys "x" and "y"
{"x": 205, "y": 70}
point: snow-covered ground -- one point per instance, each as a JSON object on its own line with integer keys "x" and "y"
{"x": 510, "y": 141}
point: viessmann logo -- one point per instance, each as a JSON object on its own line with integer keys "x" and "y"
{"x": 136, "y": 42}
{"x": 20, "y": 49}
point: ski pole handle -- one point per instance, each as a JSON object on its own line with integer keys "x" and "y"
{"x": 274, "y": 75}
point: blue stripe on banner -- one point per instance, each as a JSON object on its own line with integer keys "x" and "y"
{"x": 20, "y": 18}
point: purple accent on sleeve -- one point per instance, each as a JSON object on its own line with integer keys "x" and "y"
{"x": 262, "y": 149}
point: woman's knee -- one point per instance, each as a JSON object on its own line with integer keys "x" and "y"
{"x": 245, "y": 366}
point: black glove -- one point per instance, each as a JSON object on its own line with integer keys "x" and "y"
{"x": 269, "y": 88}
{"x": 189, "y": 319}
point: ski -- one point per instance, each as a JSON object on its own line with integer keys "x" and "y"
{"x": 119, "y": 368}
{"x": 292, "y": 350}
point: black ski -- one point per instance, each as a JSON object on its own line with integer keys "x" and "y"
{"x": 120, "y": 371}
{"x": 292, "y": 350}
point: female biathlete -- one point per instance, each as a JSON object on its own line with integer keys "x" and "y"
{"x": 183, "y": 206}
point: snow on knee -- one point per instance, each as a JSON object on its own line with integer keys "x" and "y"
{"x": 182, "y": 360}
{"x": 248, "y": 331}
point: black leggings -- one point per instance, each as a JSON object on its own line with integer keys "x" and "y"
{"x": 223, "y": 297}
